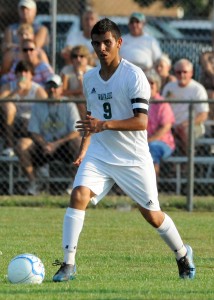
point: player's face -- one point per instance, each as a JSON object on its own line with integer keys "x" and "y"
{"x": 106, "y": 47}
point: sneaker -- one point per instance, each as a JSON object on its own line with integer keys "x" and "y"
{"x": 33, "y": 189}
{"x": 8, "y": 152}
{"x": 43, "y": 171}
{"x": 65, "y": 272}
{"x": 186, "y": 265}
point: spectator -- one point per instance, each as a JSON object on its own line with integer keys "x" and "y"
{"x": 27, "y": 12}
{"x": 14, "y": 54}
{"x": 53, "y": 133}
{"x": 160, "y": 121}
{"x": 42, "y": 70}
{"x": 138, "y": 47}
{"x": 17, "y": 114}
{"x": 186, "y": 88}
{"x": 89, "y": 18}
{"x": 207, "y": 77}
{"x": 72, "y": 79}
{"x": 163, "y": 67}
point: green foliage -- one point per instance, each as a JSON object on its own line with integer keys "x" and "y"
{"x": 120, "y": 256}
{"x": 194, "y": 8}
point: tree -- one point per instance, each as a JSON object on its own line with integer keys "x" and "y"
{"x": 192, "y": 8}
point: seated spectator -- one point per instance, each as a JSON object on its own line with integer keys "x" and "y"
{"x": 207, "y": 77}
{"x": 66, "y": 56}
{"x": 53, "y": 133}
{"x": 138, "y": 47}
{"x": 160, "y": 121}
{"x": 163, "y": 67}
{"x": 27, "y": 12}
{"x": 16, "y": 114}
{"x": 15, "y": 54}
{"x": 89, "y": 19}
{"x": 186, "y": 88}
{"x": 42, "y": 70}
{"x": 72, "y": 79}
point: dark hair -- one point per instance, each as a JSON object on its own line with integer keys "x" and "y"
{"x": 23, "y": 65}
{"x": 106, "y": 25}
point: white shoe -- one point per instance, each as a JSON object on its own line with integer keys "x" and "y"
{"x": 43, "y": 171}
{"x": 8, "y": 152}
{"x": 33, "y": 189}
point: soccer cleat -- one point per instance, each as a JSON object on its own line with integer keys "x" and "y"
{"x": 65, "y": 272}
{"x": 186, "y": 265}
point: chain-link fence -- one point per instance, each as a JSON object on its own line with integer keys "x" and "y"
{"x": 184, "y": 29}
{"x": 54, "y": 173}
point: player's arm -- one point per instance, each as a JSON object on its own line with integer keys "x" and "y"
{"x": 139, "y": 120}
{"x": 84, "y": 145}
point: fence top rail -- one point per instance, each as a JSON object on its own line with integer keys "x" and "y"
{"x": 78, "y": 100}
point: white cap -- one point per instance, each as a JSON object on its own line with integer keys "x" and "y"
{"x": 55, "y": 79}
{"x": 27, "y": 3}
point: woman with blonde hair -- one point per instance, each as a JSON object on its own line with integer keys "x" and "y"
{"x": 163, "y": 66}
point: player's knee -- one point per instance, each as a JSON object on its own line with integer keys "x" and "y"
{"x": 80, "y": 198}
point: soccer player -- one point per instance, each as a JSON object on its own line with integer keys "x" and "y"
{"x": 114, "y": 149}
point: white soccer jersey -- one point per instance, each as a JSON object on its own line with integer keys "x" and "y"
{"x": 116, "y": 99}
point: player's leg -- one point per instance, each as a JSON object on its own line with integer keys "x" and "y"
{"x": 91, "y": 182}
{"x": 140, "y": 184}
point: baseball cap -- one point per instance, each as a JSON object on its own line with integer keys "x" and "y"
{"x": 27, "y": 3}
{"x": 139, "y": 16}
{"x": 54, "y": 81}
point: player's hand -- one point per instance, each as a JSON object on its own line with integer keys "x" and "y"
{"x": 90, "y": 124}
{"x": 79, "y": 159}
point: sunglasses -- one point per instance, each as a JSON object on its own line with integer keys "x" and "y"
{"x": 28, "y": 49}
{"x": 77, "y": 55}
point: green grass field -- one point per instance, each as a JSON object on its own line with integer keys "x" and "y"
{"x": 120, "y": 256}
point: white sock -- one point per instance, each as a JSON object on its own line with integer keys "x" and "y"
{"x": 72, "y": 227}
{"x": 171, "y": 236}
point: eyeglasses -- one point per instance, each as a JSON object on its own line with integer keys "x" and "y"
{"x": 179, "y": 72}
{"x": 28, "y": 49}
{"x": 77, "y": 55}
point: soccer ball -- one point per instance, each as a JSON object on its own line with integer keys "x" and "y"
{"x": 26, "y": 268}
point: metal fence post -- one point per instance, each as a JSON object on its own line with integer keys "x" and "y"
{"x": 191, "y": 150}
{"x": 53, "y": 32}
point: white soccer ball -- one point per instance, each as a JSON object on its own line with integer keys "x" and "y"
{"x": 26, "y": 268}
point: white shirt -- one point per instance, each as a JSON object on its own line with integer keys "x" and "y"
{"x": 77, "y": 38}
{"x": 193, "y": 91}
{"x": 141, "y": 50}
{"x": 112, "y": 100}
{"x": 24, "y": 108}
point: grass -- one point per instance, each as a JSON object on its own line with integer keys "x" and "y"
{"x": 119, "y": 255}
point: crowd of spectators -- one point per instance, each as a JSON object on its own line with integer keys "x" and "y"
{"x": 42, "y": 132}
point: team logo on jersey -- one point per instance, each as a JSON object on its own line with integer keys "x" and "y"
{"x": 93, "y": 91}
{"x": 150, "y": 203}
{"x": 105, "y": 96}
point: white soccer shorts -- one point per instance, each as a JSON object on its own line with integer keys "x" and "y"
{"x": 138, "y": 182}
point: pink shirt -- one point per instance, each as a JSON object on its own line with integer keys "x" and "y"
{"x": 159, "y": 115}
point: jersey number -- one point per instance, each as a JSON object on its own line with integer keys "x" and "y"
{"x": 107, "y": 110}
